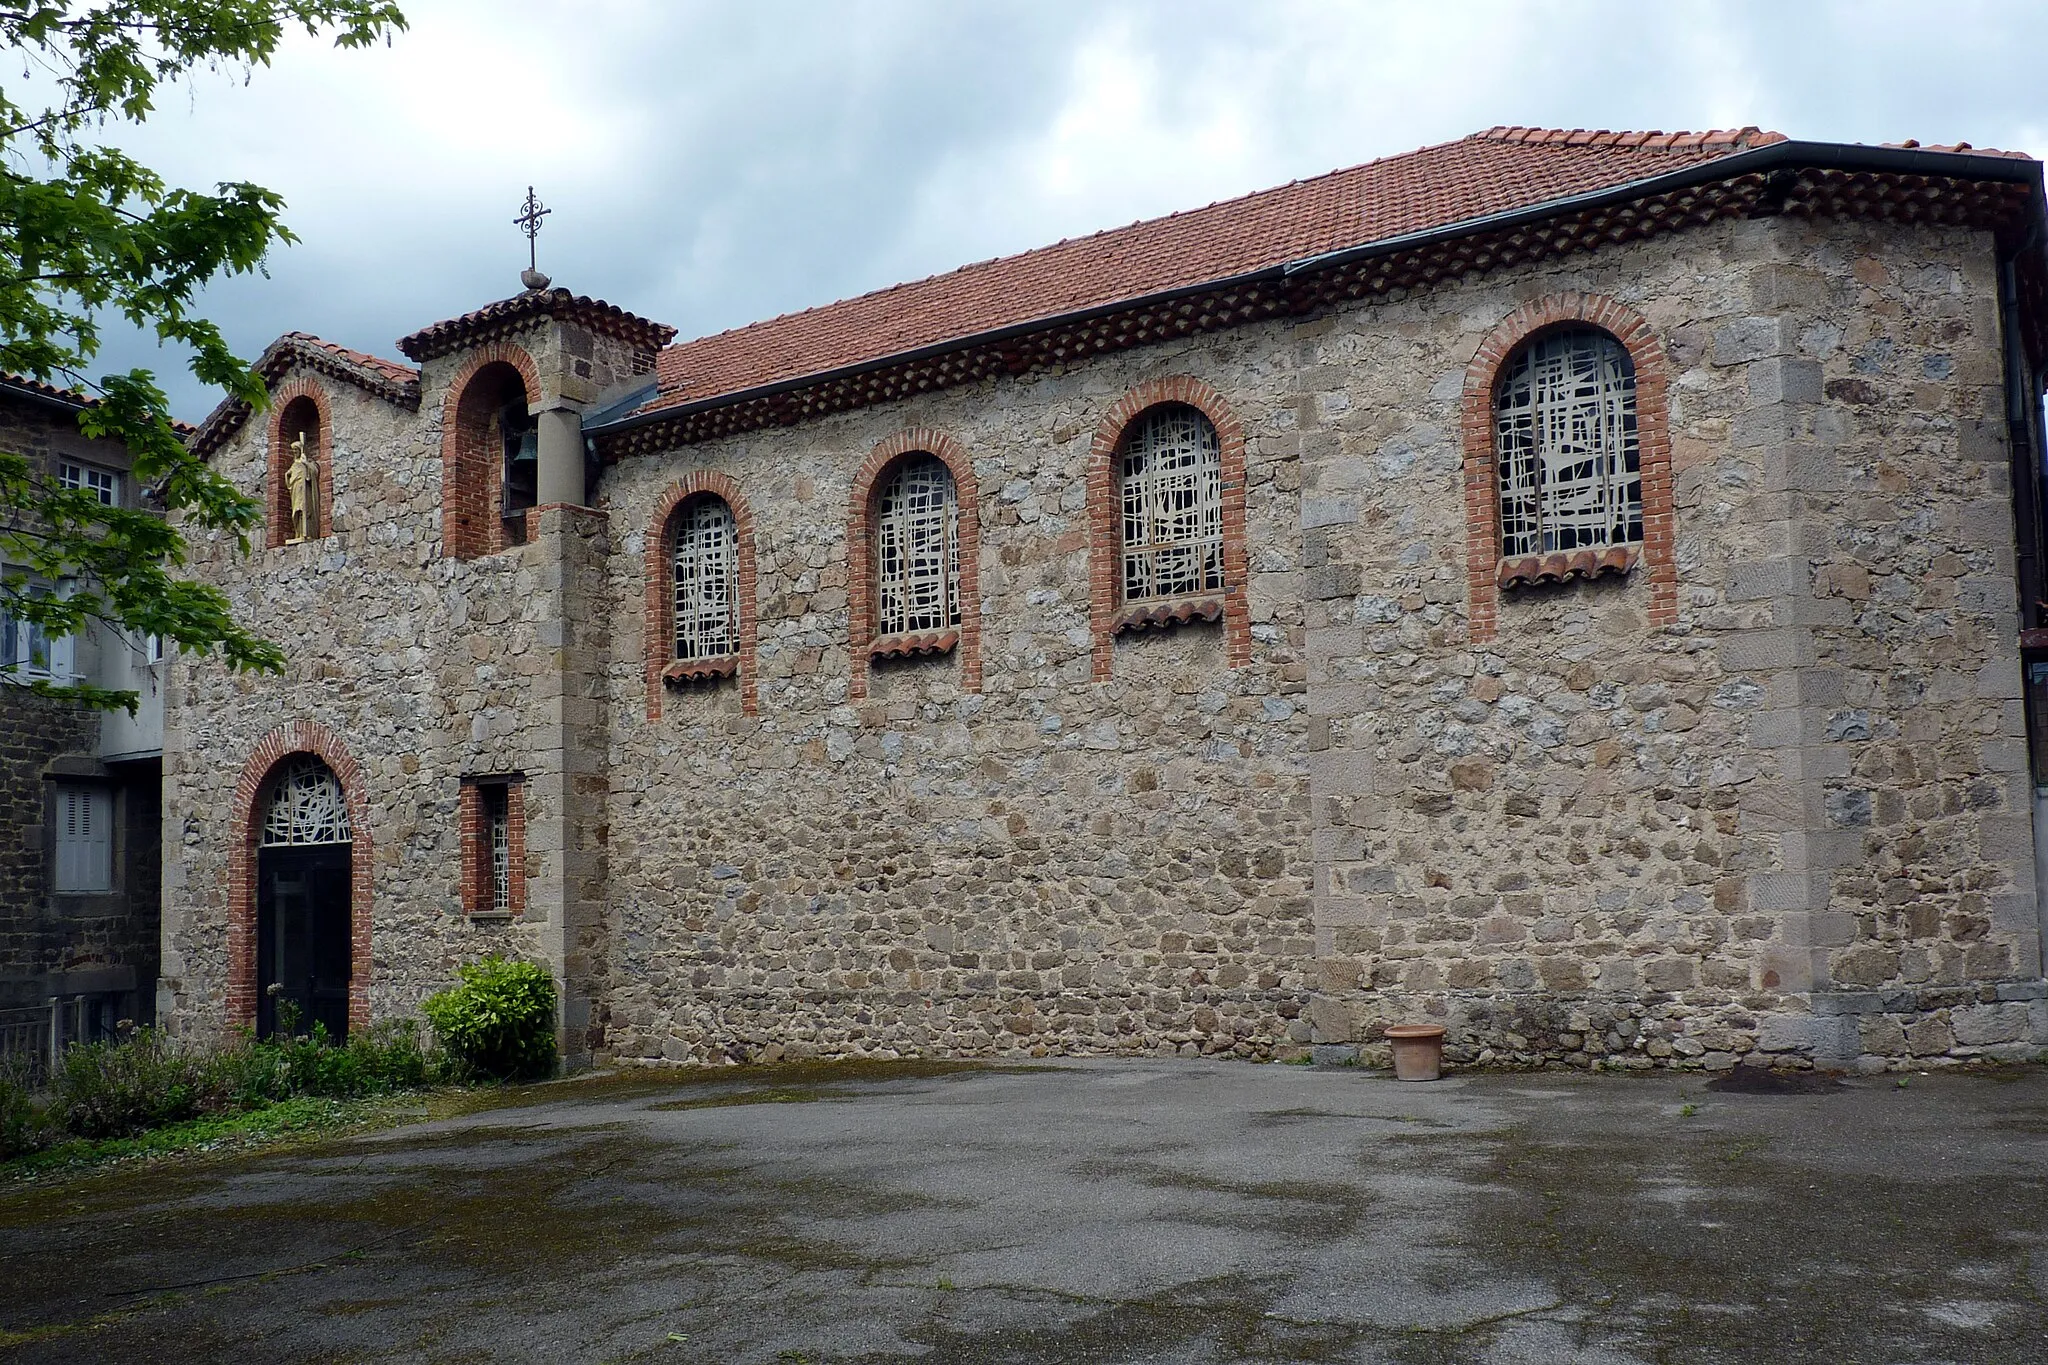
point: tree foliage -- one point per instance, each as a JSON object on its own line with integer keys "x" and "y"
{"x": 88, "y": 234}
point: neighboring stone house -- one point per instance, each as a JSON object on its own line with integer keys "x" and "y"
{"x": 1568, "y": 585}
{"x": 80, "y": 791}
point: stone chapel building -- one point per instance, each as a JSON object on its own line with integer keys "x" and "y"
{"x": 1573, "y": 586}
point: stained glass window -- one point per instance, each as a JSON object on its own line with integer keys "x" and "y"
{"x": 1565, "y": 438}
{"x": 1172, "y": 493}
{"x": 917, "y": 549}
{"x": 706, "y": 579}
{"x": 306, "y": 805}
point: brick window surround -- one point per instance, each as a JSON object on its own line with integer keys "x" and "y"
{"x": 476, "y": 845}
{"x": 472, "y": 463}
{"x": 1105, "y": 516}
{"x": 660, "y": 631}
{"x": 860, "y": 555}
{"x": 301, "y": 405}
{"x": 300, "y": 737}
{"x": 1653, "y": 444}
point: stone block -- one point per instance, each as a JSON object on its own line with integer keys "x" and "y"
{"x": 1766, "y": 579}
{"x": 1929, "y": 1037}
{"x": 1331, "y": 1020}
{"x": 1982, "y": 1025}
{"x": 1782, "y": 379}
{"x": 1791, "y": 468}
{"x": 1753, "y": 338}
{"x": 1319, "y": 512}
{"x": 1782, "y": 891}
{"x": 1743, "y": 650}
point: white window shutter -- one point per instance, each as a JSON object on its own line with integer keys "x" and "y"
{"x": 85, "y": 842}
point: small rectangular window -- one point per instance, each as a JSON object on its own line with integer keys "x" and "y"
{"x": 498, "y": 829}
{"x": 493, "y": 846}
{"x": 104, "y": 484}
{"x": 85, "y": 839}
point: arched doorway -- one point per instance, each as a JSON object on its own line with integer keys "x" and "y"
{"x": 304, "y": 876}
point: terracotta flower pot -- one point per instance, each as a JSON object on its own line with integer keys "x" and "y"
{"x": 1418, "y": 1051}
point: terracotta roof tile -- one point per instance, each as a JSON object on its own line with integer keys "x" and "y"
{"x": 389, "y": 371}
{"x": 498, "y": 319}
{"x": 1487, "y": 173}
{"x": 387, "y": 379}
{"x": 72, "y": 397}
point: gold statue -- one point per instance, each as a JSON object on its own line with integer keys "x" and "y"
{"x": 301, "y": 479}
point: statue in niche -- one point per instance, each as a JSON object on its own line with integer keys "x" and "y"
{"x": 302, "y": 480}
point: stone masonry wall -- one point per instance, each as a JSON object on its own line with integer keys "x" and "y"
{"x": 424, "y": 666}
{"x": 1589, "y": 839}
{"x": 1791, "y": 824}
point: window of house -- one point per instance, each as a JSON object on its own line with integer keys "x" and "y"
{"x": 1565, "y": 441}
{"x": 28, "y": 650}
{"x": 705, "y": 569}
{"x": 1170, "y": 468}
{"x": 917, "y": 549}
{"x": 104, "y": 484}
{"x": 85, "y": 839}
{"x": 494, "y": 846}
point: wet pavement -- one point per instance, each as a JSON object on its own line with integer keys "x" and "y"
{"x": 1167, "y": 1212}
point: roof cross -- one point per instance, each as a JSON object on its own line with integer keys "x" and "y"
{"x": 528, "y": 221}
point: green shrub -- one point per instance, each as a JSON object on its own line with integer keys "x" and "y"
{"x": 117, "y": 1089}
{"x": 500, "y": 1021}
{"x": 24, "y": 1124}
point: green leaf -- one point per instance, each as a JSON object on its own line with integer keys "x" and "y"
{"x": 88, "y": 232}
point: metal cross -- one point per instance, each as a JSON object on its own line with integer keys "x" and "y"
{"x": 529, "y": 220}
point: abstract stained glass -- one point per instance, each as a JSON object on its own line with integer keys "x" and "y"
{"x": 1172, "y": 471}
{"x": 1565, "y": 439}
{"x": 706, "y": 580}
{"x": 917, "y": 550}
{"x": 306, "y": 806}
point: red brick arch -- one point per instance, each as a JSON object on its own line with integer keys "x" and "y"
{"x": 299, "y": 737}
{"x": 471, "y": 476}
{"x": 1105, "y": 514}
{"x": 1653, "y": 443}
{"x": 860, "y": 605}
{"x": 277, "y": 500}
{"x": 660, "y": 636}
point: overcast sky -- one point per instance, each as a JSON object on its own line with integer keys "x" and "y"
{"x": 711, "y": 164}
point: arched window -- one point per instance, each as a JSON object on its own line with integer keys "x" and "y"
{"x": 1170, "y": 487}
{"x": 306, "y": 805}
{"x": 1565, "y": 444}
{"x": 917, "y": 549}
{"x": 704, "y": 569}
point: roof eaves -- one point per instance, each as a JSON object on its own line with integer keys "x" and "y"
{"x": 394, "y": 383}
{"x": 1776, "y": 153}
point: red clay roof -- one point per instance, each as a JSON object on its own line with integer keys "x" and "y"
{"x": 1488, "y": 173}
{"x": 279, "y": 356}
{"x": 73, "y": 398}
{"x": 498, "y": 319}
{"x": 387, "y": 379}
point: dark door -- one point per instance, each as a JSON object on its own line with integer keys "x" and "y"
{"x": 302, "y": 936}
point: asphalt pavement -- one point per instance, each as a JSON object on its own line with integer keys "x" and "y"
{"x": 1166, "y": 1212}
